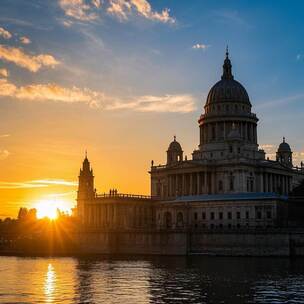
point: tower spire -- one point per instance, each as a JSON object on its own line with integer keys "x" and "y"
{"x": 227, "y": 67}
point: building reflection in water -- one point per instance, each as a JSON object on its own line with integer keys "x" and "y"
{"x": 50, "y": 284}
{"x": 152, "y": 280}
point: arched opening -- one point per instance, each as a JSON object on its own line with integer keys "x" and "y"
{"x": 168, "y": 219}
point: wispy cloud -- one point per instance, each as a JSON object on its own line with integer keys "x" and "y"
{"x": 149, "y": 103}
{"x": 5, "y": 34}
{"x": 279, "y": 101}
{"x": 182, "y": 103}
{"x": 231, "y": 17}
{"x": 3, "y": 73}
{"x": 80, "y": 10}
{"x": 30, "y": 62}
{"x": 200, "y": 46}
{"x": 25, "y": 40}
{"x": 124, "y": 8}
{"x": 4, "y": 154}
{"x": 42, "y": 183}
{"x": 55, "y": 195}
{"x": 4, "y": 135}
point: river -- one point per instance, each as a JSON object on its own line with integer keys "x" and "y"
{"x": 197, "y": 279}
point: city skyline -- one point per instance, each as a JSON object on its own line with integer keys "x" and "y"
{"x": 121, "y": 78}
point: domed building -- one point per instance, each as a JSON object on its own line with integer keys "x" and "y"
{"x": 228, "y": 187}
{"x": 227, "y": 167}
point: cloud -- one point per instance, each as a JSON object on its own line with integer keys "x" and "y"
{"x": 4, "y": 154}
{"x": 123, "y": 8}
{"x": 80, "y": 10}
{"x": 230, "y": 17}
{"x": 3, "y": 73}
{"x": 268, "y": 148}
{"x": 7, "y": 88}
{"x": 5, "y": 34}
{"x": 41, "y": 183}
{"x": 30, "y": 62}
{"x": 25, "y": 40}
{"x": 200, "y": 46}
{"x": 52, "y": 92}
{"x": 149, "y": 103}
{"x": 279, "y": 101}
{"x": 4, "y": 135}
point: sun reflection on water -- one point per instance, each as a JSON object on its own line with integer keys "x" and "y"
{"x": 50, "y": 284}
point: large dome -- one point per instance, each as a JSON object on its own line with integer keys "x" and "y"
{"x": 227, "y": 89}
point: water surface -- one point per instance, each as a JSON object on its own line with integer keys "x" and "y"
{"x": 151, "y": 280}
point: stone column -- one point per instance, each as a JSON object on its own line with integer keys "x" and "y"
{"x": 270, "y": 183}
{"x": 261, "y": 182}
{"x": 198, "y": 186}
{"x": 205, "y": 182}
{"x": 191, "y": 184}
{"x": 183, "y": 184}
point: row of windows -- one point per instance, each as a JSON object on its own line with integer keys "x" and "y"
{"x": 220, "y": 215}
{"x": 227, "y": 108}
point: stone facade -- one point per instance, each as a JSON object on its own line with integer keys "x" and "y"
{"x": 227, "y": 188}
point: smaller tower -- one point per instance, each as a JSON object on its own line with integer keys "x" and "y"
{"x": 86, "y": 190}
{"x": 284, "y": 154}
{"x": 174, "y": 152}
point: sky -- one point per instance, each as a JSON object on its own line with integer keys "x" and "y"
{"x": 120, "y": 78}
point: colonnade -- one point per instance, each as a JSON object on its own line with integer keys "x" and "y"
{"x": 220, "y": 130}
{"x": 191, "y": 183}
{"x": 211, "y": 182}
{"x": 114, "y": 215}
{"x": 277, "y": 183}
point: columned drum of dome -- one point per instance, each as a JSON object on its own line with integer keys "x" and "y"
{"x": 227, "y": 110}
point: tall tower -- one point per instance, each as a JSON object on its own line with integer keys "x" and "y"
{"x": 86, "y": 192}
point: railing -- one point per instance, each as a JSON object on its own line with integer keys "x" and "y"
{"x": 124, "y": 195}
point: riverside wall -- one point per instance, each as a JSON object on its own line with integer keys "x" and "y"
{"x": 261, "y": 243}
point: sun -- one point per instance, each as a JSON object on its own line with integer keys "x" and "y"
{"x": 48, "y": 208}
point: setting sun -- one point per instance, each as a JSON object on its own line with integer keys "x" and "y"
{"x": 48, "y": 208}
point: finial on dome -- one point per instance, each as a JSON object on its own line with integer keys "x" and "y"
{"x": 227, "y": 74}
{"x": 174, "y": 137}
{"x": 284, "y": 139}
{"x": 86, "y": 153}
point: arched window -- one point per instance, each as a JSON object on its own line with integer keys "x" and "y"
{"x": 180, "y": 220}
{"x": 168, "y": 219}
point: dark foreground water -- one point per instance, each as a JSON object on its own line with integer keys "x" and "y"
{"x": 151, "y": 280}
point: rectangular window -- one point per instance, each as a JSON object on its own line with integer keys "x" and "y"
{"x": 204, "y": 215}
{"x": 259, "y": 215}
{"x": 238, "y": 215}
{"x": 212, "y": 215}
{"x": 247, "y": 215}
{"x": 229, "y": 215}
{"x": 269, "y": 214}
{"x": 221, "y": 215}
{"x": 195, "y": 215}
